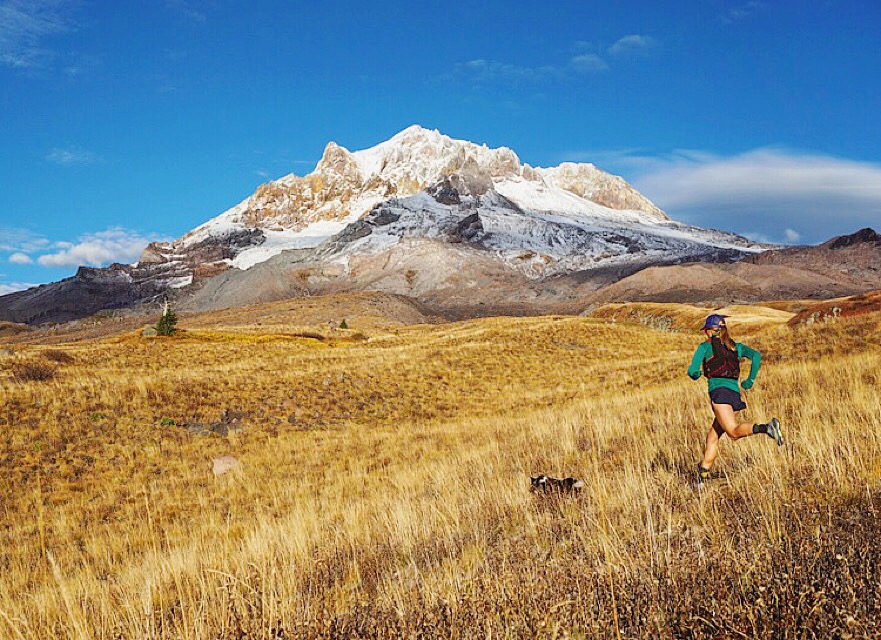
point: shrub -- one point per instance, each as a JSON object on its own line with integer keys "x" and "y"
{"x": 56, "y": 355}
{"x": 344, "y": 324}
{"x": 32, "y": 371}
{"x": 314, "y": 335}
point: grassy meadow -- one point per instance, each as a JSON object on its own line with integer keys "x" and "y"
{"x": 383, "y": 490}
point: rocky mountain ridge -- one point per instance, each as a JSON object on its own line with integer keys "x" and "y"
{"x": 843, "y": 266}
{"x": 526, "y": 223}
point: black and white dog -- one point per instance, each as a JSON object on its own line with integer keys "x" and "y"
{"x": 546, "y": 484}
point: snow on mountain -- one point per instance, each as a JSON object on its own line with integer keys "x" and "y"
{"x": 301, "y": 212}
{"x": 463, "y": 247}
{"x": 420, "y": 156}
{"x": 532, "y": 196}
{"x": 558, "y": 233}
{"x": 594, "y": 185}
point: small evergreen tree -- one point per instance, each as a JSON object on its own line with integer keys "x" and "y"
{"x": 167, "y": 323}
{"x": 343, "y": 324}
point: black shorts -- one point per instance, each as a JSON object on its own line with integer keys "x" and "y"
{"x": 723, "y": 395}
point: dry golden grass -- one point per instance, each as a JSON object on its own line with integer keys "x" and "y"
{"x": 369, "y": 310}
{"x": 384, "y": 485}
{"x": 745, "y": 319}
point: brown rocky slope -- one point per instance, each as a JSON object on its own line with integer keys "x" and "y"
{"x": 843, "y": 266}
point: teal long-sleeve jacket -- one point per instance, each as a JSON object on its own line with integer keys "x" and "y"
{"x": 705, "y": 352}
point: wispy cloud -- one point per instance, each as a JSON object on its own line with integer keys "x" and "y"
{"x": 81, "y": 64}
{"x": 24, "y": 27}
{"x": 627, "y": 47}
{"x": 769, "y": 172}
{"x": 99, "y": 249}
{"x": 22, "y": 240}
{"x": 582, "y": 62}
{"x": 742, "y": 11}
{"x": 588, "y": 63}
{"x": 632, "y": 45}
{"x": 71, "y": 156}
{"x": 781, "y": 194}
{"x": 629, "y": 161}
{"x": 11, "y": 287}
{"x": 20, "y": 258}
{"x": 488, "y": 71}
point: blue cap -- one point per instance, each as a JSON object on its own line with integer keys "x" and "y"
{"x": 713, "y": 320}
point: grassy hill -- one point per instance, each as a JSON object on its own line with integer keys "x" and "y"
{"x": 384, "y": 481}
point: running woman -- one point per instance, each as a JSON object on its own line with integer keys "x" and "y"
{"x": 718, "y": 358}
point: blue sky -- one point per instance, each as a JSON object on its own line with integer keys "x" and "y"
{"x": 125, "y": 122}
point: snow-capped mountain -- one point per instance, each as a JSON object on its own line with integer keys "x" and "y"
{"x": 460, "y": 244}
{"x": 421, "y": 203}
{"x": 296, "y": 212}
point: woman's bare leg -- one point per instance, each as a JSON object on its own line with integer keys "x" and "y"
{"x": 711, "y": 448}
{"x": 726, "y": 419}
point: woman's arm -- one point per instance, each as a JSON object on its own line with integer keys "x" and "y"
{"x": 755, "y": 359}
{"x": 694, "y": 369}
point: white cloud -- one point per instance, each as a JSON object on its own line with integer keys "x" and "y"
{"x": 769, "y": 191}
{"x": 69, "y": 157}
{"x": 12, "y": 287}
{"x": 588, "y": 63}
{"x": 481, "y": 70}
{"x": 99, "y": 249}
{"x": 21, "y": 240}
{"x": 632, "y": 45}
{"x": 763, "y": 174}
{"x": 20, "y": 258}
{"x": 25, "y": 24}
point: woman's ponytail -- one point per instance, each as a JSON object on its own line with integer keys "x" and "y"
{"x": 726, "y": 338}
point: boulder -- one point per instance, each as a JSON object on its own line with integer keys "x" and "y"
{"x": 224, "y": 464}
{"x": 230, "y": 422}
{"x": 206, "y": 428}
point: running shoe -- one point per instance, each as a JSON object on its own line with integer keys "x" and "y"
{"x": 702, "y": 474}
{"x": 775, "y": 431}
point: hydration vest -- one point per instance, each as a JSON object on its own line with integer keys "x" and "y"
{"x": 724, "y": 363}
